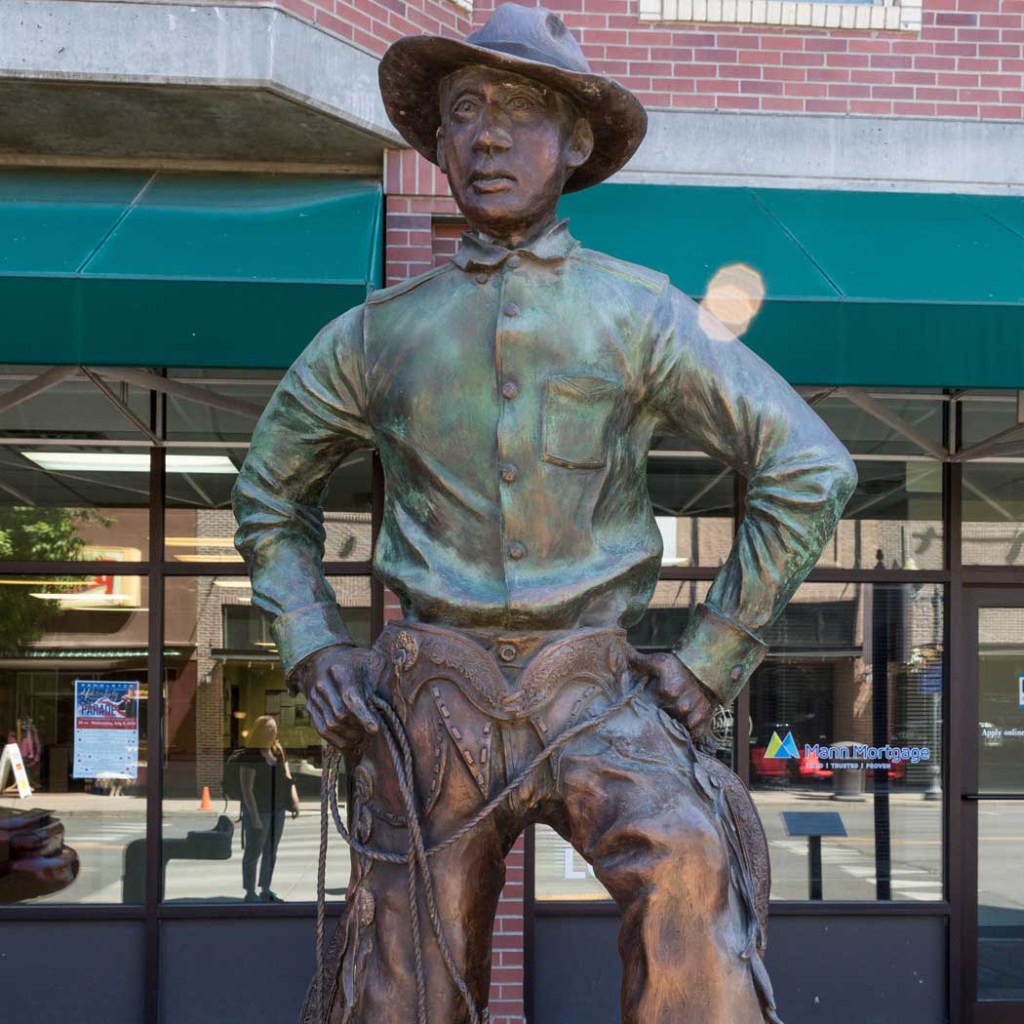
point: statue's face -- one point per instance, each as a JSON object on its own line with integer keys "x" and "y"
{"x": 507, "y": 144}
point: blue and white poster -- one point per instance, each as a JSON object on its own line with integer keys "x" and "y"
{"x": 106, "y": 730}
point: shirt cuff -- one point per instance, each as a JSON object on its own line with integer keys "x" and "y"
{"x": 305, "y": 631}
{"x": 720, "y": 653}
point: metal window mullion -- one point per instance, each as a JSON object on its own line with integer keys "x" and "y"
{"x": 154, "y": 732}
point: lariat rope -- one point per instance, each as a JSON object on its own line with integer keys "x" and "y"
{"x": 417, "y": 855}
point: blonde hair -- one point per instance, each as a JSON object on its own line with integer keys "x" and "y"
{"x": 263, "y": 734}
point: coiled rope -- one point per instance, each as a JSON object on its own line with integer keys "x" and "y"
{"x": 417, "y": 856}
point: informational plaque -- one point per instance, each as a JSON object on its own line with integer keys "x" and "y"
{"x": 106, "y": 730}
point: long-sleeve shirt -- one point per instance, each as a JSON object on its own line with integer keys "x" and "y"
{"x": 512, "y": 396}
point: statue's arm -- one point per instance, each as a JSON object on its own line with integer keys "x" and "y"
{"x": 708, "y": 387}
{"x": 314, "y": 419}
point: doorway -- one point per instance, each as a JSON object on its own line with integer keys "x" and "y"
{"x": 990, "y": 721}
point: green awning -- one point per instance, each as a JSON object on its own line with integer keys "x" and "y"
{"x": 139, "y": 269}
{"x": 861, "y": 288}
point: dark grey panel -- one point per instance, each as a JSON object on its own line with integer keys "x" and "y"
{"x": 76, "y": 973}
{"x": 183, "y": 122}
{"x": 849, "y": 970}
{"x": 235, "y": 971}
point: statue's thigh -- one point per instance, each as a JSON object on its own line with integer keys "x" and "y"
{"x": 636, "y": 810}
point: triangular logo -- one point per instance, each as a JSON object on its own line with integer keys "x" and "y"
{"x": 782, "y": 749}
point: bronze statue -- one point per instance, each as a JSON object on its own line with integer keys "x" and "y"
{"x": 512, "y": 394}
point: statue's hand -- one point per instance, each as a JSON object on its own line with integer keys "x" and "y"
{"x": 677, "y": 690}
{"x": 337, "y": 682}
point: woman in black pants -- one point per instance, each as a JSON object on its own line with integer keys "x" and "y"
{"x": 267, "y": 791}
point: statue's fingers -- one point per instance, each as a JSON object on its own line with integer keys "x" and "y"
{"x": 356, "y": 705}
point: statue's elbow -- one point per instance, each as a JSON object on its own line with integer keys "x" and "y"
{"x": 844, "y": 475}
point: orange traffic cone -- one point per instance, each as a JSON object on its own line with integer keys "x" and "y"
{"x": 206, "y": 804}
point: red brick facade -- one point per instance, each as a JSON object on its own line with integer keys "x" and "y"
{"x": 967, "y": 62}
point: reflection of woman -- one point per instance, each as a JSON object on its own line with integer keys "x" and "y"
{"x": 267, "y": 791}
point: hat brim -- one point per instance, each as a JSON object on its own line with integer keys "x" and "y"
{"x": 412, "y": 69}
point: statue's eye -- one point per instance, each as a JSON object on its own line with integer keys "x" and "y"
{"x": 522, "y": 103}
{"x": 465, "y": 106}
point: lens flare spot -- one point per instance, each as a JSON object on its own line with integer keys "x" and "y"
{"x": 734, "y": 296}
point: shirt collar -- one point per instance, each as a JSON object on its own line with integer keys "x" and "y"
{"x": 480, "y": 253}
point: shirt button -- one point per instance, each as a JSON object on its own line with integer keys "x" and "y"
{"x": 736, "y": 674}
{"x": 509, "y": 390}
{"x": 511, "y": 310}
{"x": 513, "y": 261}
{"x": 515, "y": 550}
{"x": 509, "y": 473}
{"x": 482, "y": 278}
{"x": 507, "y": 652}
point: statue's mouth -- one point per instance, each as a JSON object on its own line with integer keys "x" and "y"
{"x": 491, "y": 181}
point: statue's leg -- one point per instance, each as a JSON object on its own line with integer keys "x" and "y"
{"x": 377, "y": 973}
{"x": 375, "y": 977}
{"x": 637, "y": 811}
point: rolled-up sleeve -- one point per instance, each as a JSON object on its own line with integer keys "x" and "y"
{"x": 314, "y": 419}
{"x": 706, "y": 386}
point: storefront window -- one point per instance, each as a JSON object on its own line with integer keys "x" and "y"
{"x": 222, "y": 690}
{"x": 201, "y": 525}
{"x": 216, "y": 405}
{"x": 894, "y": 519}
{"x": 847, "y": 726}
{"x": 73, "y": 697}
{"x": 993, "y": 510}
{"x": 694, "y": 502}
{"x": 69, "y": 502}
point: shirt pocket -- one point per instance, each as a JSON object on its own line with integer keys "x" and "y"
{"x": 576, "y": 417}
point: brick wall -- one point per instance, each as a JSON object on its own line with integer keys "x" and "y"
{"x": 967, "y": 62}
{"x": 375, "y": 24}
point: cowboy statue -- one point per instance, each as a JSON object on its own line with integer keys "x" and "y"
{"x": 512, "y": 394}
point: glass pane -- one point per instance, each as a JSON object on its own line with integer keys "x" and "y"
{"x": 193, "y": 419}
{"x": 1000, "y": 901}
{"x": 73, "y": 692}
{"x": 223, "y": 676}
{"x": 847, "y": 725}
{"x": 68, "y": 502}
{"x": 201, "y": 525}
{"x": 879, "y": 435}
{"x": 1000, "y": 824}
{"x": 894, "y": 518}
{"x": 560, "y": 873}
{"x": 1001, "y": 700}
{"x": 75, "y": 407}
{"x": 694, "y": 503}
{"x": 993, "y": 511}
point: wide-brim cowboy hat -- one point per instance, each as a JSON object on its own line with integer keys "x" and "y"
{"x": 529, "y": 41}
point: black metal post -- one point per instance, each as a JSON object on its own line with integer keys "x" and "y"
{"x": 814, "y": 859}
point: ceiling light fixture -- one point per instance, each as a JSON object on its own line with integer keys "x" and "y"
{"x": 128, "y": 462}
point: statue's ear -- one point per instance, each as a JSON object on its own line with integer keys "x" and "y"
{"x": 580, "y": 145}
{"x": 441, "y": 162}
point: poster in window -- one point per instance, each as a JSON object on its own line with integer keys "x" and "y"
{"x": 106, "y": 730}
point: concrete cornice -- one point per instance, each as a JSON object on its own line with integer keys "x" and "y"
{"x": 213, "y": 45}
{"x": 814, "y": 151}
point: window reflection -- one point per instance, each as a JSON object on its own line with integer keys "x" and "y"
{"x": 694, "y": 502}
{"x": 73, "y": 694}
{"x": 200, "y": 524}
{"x": 220, "y": 694}
{"x": 71, "y": 503}
{"x": 846, "y": 716}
